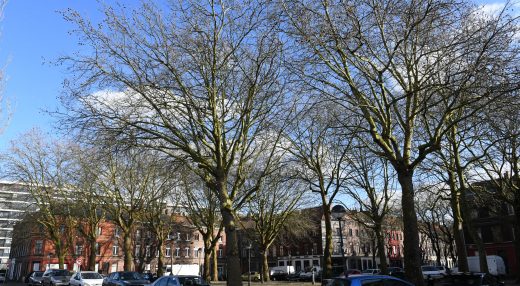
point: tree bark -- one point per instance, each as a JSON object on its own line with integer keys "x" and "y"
{"x": 207, "y": 262}
{"x": 265, "y": 266}
{"x": 127, "y": 250}
{"x": 91, "y": 263}
{"x": 458, "y": 230}
{"x": 214, "y": 268}
{"x": 412, "y": 257}
{"x": 517, "y": 236}
{"x": 380, "y": 239}
{"x": 160, "y": 259}
{"x": 327, "y": 251}
{"x": 232, "y": 256}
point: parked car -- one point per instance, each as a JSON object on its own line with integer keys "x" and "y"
{"x": 278, "y": 275}
{"x": 166, "y": 281}
{"x": 255, "y": 276}
{"x": 394, "y": 269}
{"x": 367, "y": 279}
{"x": 431, "y": 272}
{"x": 470, "y": 279}
{"x": 56, "y": 277}
{"x": 148, "y": 276}
{"x": 86, "y": 278}
{"x": 2, "y": 277}
{"x": 191, "y": 280}
{"x": 125, "y": 278}
{"x": 371, "y": 271}
{"x": 34, "y": 278}
{"x": 444, "y": 270}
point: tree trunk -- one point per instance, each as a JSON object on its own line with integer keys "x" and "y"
{"x": 265, "y": 266}
{"x": 207, "y": 263}
{"x": 380, "y": 239}
{"x": 214, "y": 261}
{"x": 458, "y": 229}
{"x": 232, "y": 256}
{"x": 127, "y": 250}
{"x": 412, "y": 252}
{"x": 327, "y": 251}
{"x": 91, "y": 263}
{"x": 160, "y": 259}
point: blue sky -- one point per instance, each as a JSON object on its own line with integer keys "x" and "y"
{"x": 33, "y": 36}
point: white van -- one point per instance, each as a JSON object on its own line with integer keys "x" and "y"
{"x": 495, "y": 263}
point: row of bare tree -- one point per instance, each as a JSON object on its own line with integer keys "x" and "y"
{"x": 366, "y": 98}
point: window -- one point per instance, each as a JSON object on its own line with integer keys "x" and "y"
{"x": 188, "y": 237}
{"x": 177, "y": 252}
{"x": 79, "y": 249}
{"x": 99, "y": 231}
{"x": 168, "y": 251}
{"x": 178, "y": 236}
{"x": 357, "y": 232}
{"x": 115, "y": 249}
{"x": 98, "y": 248}
{"x": 117, "y": 232}
{"x": 187, "y": 252}
{"x": 137, "y": 250}
{"x": 148, "y": 252}
{"x": 138, "y": 234}
{"x": 38, "y": 247}
{"x": 350, "y": 232}
{"x": 197, "y": 237}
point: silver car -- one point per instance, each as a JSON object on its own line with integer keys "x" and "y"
{"x": 56, "y": 277}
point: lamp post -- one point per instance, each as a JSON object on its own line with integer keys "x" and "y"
{"x": 249, "y": 264}
{"x": 337, "y": 212}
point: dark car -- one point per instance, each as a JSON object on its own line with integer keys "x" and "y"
{"x": 56, "y": 277}
{"x": 473, "y": 279}
{"x": 125, "y": 278}
{"x": 148, "y": 276}
{"x": 393, "y": 270}
{"x": 191, "y": 280}
{"x": 278, "y": 275}
{"x": 166, "y": 281}
{"x": 367, "y": 279}
{"x": 34, "y": 278}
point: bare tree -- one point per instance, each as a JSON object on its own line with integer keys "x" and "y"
{"x": 274, "y": 202}
{"x": 434, "y": 212}
{"x": 127, "y": 183}
{"x": 372, "y": 188}
{"x": 321, "y": 152}
{"x": 198, "y": 81}
{"x": 404, "y": 67}
{"x": 202, "y": 209}
{"x": 43, "y": 166}
{"x": 86, "y": 208}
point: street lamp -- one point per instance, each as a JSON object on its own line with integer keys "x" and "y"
{"x": 337, "y": 212}
{"x": 249, "y": 264}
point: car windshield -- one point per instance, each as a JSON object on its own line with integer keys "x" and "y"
{"x": 91, "y": 275}
{"x": 38, "y": 274}
{"x": 60, "y": 273}
{"x": 130, "y": 276}
{"x": 429, "y": 268}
